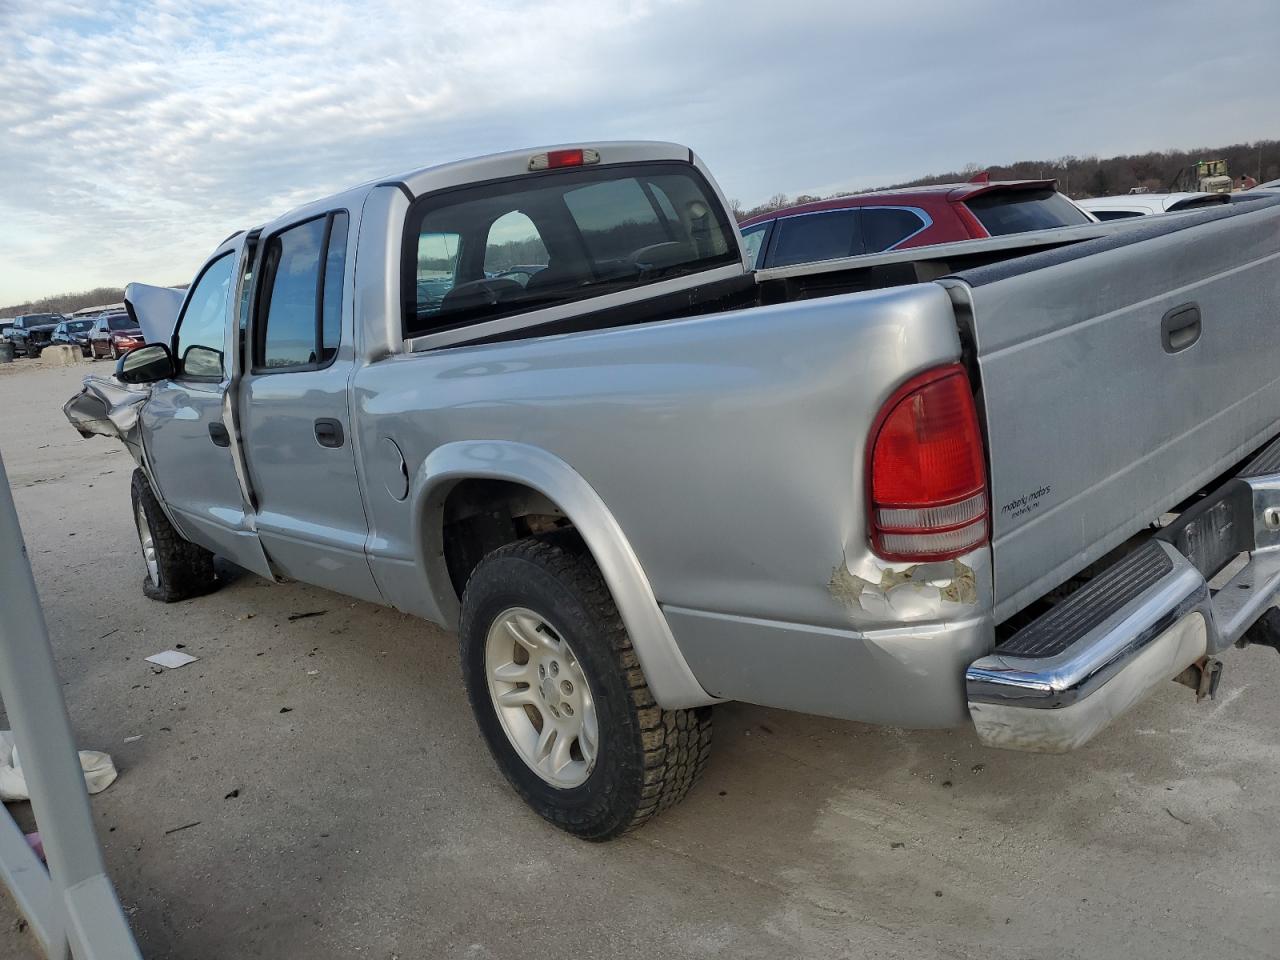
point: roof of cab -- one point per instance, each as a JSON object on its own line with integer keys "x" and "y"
{"x": 495, "y": 166}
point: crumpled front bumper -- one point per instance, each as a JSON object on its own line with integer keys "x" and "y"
{"x": 1057, "y": 682}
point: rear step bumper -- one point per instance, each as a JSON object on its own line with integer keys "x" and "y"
{"x": 1057, "y": 682}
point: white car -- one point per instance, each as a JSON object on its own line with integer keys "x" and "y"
{"x": 1147, "y": 204}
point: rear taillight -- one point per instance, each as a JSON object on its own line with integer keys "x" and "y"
{"x": 926, "y": 475}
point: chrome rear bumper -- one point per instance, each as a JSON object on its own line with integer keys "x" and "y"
{"x": 1057, "y": 682}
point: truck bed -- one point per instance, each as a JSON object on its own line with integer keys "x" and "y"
{"x": 1096, "y": 423}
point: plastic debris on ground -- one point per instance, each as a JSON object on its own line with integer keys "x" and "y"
{"x": 171, "y": 659}
{"x": 99, "y": 770}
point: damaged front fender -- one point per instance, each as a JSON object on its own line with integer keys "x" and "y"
{"x": 108, "y": 408}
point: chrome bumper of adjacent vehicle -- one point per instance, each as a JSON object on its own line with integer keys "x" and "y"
{"x": 1057, "y": 682}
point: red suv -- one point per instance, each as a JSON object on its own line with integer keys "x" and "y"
{"x": 910, "y": 217}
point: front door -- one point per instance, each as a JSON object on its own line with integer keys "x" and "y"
{"x": 293, "y": 407}
{"x": 185, "y": 434}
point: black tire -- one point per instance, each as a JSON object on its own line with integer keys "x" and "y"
{"x": 115, "y": 354}
{"x": 183, "y": 569}
{"x": 648, "y": 758}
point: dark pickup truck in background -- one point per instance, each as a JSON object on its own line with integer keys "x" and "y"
{"x": 32, "y": 332}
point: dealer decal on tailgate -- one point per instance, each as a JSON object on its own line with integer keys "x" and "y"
{"x": 1019, "y": 506}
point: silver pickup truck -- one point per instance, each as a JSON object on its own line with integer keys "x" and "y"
{"x": 540, "y": 398}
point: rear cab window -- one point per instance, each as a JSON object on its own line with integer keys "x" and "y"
{"x": 512, "y": 246}
{"x": 1002, "y": 212}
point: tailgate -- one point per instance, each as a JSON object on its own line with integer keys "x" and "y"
{"x": 1118, "y": 376}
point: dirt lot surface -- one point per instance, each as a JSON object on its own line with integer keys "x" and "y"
{"x": 370, "y": 822}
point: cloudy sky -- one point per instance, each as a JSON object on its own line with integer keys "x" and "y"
{"x": 137, "y": 135}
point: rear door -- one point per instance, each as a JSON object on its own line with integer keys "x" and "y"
{"x": 293, "y": 411}
{"x": 187, "y": 439}
{"x": 1118, "y": 376}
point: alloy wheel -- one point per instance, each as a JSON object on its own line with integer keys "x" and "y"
{"x": 541, "y": 696}
{"x": 148, "y": 545}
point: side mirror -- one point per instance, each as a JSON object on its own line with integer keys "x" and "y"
{"x": 201, "y": 361}
{"x": 146, "y": 364}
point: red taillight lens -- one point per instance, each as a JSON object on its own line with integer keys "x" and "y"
{"x": 927, "y": 477}
{"x": 564, "y": 158}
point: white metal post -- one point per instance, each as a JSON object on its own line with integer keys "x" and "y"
{"x": 74, "y": 906}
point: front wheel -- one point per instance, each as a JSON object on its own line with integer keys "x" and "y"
{"x": 177, "y": 569}
{"x": 561, "y": 699}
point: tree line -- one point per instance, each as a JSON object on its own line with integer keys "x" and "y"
{"x": 1081, "y": 177}
{"x": 66, "y": 302}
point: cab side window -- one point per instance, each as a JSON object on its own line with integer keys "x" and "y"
{"x": 203, "y": 323}
{"x": 299, "y": 316}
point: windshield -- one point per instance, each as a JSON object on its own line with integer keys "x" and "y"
{"x": 503, "y": 248}
{"x": 1017, "y": 211}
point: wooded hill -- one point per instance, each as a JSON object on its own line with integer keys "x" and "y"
{"x": 66, "y": 303}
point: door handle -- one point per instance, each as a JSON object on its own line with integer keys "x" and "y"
{"x": 219, "y": 435}
{"x": 1180, "y": 328}
{"x": 329, "y": 432}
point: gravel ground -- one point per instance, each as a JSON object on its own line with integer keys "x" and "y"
{"x": 369, "y": 821}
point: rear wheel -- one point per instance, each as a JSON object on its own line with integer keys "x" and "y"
{"x": 176, "y": 568}
{"x": 561, "y": 699}
{"x": 115, "y": 354}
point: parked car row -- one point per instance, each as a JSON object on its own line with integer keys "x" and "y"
{"x": 913, "y": 217}
{"x": 1148, "y": 204}
{"x": 111, "y": 334}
